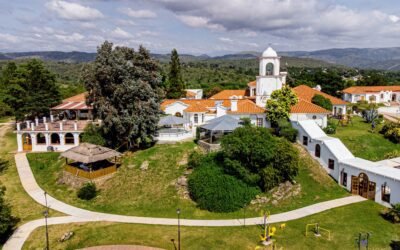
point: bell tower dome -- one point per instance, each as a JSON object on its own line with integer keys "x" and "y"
{"x": 270, "y": 77}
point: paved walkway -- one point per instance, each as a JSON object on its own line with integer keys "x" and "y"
{"x": 81, "y": 215}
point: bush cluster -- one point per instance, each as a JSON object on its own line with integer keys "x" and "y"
{"x": 88, "y": 191}
{"x": 393, "y": 214}
{"x": 284, "y": 129}
{"x": 3, "y": 165}
{"x": 391, "y": 131}
{"x": 216, "y": 191}
{"x": 330, "y": 128}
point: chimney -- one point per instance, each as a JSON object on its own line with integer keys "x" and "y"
{"x": 33, "y": 126}
{"x": 52, "y": 118}
{"x": 44, "y": 119}
{"x": 234, "y": 103}
{"x": 76, "y": 125}
{"x": 46, "y": 125}
{"x": 36, "y": 121}
{"x": 28, "y": 124}
{"x": 61, "y": 126}
{"x": 318, "y": 87}
{"x": 18, "y": 126}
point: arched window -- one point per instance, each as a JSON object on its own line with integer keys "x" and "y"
{"x": 269, "y": 69}
{"x": 196, "y": 118}
{"x": 385, "y": 193}
{"x": 55, "y": 139}
{"x": 178, "y": 114}
{"x": 318, "y": 150}
{"x": 69, "y": 138}
{"x": 40, "y": 139}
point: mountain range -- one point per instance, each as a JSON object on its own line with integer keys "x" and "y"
{"x": 373, "y": 58}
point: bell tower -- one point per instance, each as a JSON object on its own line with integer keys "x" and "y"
{"x": 270, "y": 77}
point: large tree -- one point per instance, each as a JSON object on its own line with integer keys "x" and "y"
{"x": 30, "y": 89}
{"x": 279, "y": 105}
{"x": 175, "y": 84}
{"x": 124, "y": 88}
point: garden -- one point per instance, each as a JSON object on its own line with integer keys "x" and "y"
{"x": 364, "y": 142}
{"x": 344, "y": 223}
{"x": 157, "y": 180}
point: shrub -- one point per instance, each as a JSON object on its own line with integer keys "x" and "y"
{"x": 88, "y": 191}
{"x": 3, "y": 165}
{"x": 322, "y": 102}
{"x": 388, "y": 126}
{"x": 93, "y": 135}
{"x": 393, "y": 154}
{"x": 218, "y": 192}
{"x": 393, "y": 214}
{"x": 289, "y": 133}
{"x": 393, "y": 134}
{"x": 7, "y": 221}
{"x": 330, "y": 130}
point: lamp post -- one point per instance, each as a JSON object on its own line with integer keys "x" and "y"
{"x": 46, "y": 214}
{"x": 178, "y": 212}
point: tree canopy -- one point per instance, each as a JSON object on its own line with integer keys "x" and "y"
{"x": 124, "y": 88}
{"x": 175, "y": 84}
{"x": 30, "y": 89}
{"x": 322, "y": 101}
{"x": 279, "y": 105}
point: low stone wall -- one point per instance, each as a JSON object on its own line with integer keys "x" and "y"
{"x": 209, "y": 147}
{"x": 77, "y": 182}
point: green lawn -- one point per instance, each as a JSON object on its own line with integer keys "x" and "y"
{"x": 344, "y": 223}
{"x": 362, "y": 142}
{"x": 152, "y": 193}
{"x": 23, "y": 206}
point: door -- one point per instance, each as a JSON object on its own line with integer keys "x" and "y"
{"x": 371, "y": 190}
{"x": 393, "y": 97}
{"x": 318, "y": 150}
{"x": 305, "y": 140}
{"x": 26, "y": 142}
{"x": 354, "y": 185}
{"x": 364, "y": 185}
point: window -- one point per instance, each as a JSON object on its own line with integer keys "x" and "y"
{"x": 318, "y": 150}
{"x": 314, "y": 117}
{"x": 69, "y": 138}
{"x": 254, "y": 91}
{"x": 305, "y": 140}
{"x": 382, "y": 96}
{"x": 55, "y": 139}
{"x": 260, "y": 122}
{"x": 196, "y": 118}
{"x": 385, "y": 193}
{"x": 331, "y": 164}
{"x": 269, "y": 69}
{"x": 40, "y": 139}
{"x": 178, "y": 114}
{"x": 344, "y": 179}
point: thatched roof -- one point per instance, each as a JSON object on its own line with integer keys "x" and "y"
{"x": 89, "y": 153}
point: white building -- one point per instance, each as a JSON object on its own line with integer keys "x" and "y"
{"x": 378, "y": 181}
{"x": 372, "y": 94}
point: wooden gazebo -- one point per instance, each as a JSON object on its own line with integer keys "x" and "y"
{"x": 91, "y": 161}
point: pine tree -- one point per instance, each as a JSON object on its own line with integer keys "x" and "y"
{"x": 125, "y": 90}
{"x": 176, "y": 86}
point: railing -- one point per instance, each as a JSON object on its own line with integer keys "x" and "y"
{"x": 90, "y": 174}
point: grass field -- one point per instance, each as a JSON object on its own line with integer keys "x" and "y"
{"x": 152, "y": 193}
{"x": 23, "y": 206}
{"x": 362, "y": 142}
{"x": 344, "y": 224}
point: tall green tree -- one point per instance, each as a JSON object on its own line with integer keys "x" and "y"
{"x": 124, "y": 88}
{"x": 175, "y": 84}
{"x": 322, "y": 101}
{"x": 30, "y": 89}
{"x": 279, "y": 105}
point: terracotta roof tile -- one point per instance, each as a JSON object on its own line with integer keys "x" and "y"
{"x": 303, "y": 107}
{"x": 252, "y": 84}
{"x": 228, "y": 94}
{"x": 369, "y": 89}
{"x": 247, "y": 106}
{"x": 307, "y": 93}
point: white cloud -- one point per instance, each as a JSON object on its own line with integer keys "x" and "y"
{"x": 8, "y": 38}
{"x": 120, "y": 33}
{"x": 225, "y": 39}
{"x": 199, "y": 22}
{"x": 70, "y": 38}
{"x": 73, "y": 11}
{"x": 139, "y": 13}
{"x": 394, "y": 18}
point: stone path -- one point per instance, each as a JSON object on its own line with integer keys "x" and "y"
{"x": 121, "y": 247}
{"x": 81, "y": 215}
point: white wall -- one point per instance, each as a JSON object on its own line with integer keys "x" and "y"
{"x": 320, "y": 119}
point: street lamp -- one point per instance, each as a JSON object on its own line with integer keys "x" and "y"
{"x": 178, "y": 212}
{"x": 46, "y": 214}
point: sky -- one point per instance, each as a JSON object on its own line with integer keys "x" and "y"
{"x": 212, "y": 27}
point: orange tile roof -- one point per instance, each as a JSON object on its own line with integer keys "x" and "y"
{"x": 77, "y": 98}
{"x": 307, "y": 93}
{"x": 252, "y": 84}
{"x": 247, "y": 107}
{"x": 303, "y": 107}
{"x": 368, "y": 89}
{"x": 203, "y": 105}
{"x": 190, "y": 93}
{"x": 228, "y": 94}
